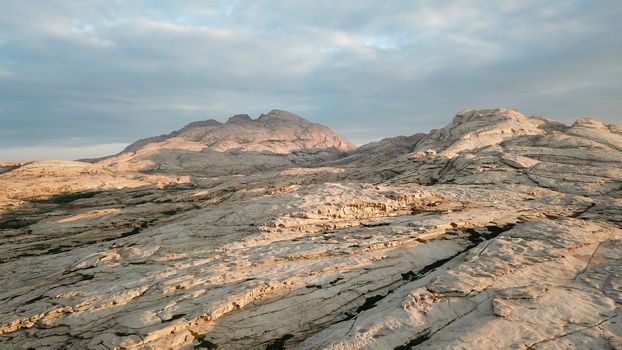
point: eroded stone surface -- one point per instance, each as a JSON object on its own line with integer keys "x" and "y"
{"x": 242, "y": 145}
{"x": 498, "y": 231}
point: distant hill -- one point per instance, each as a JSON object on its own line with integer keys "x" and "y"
{"x": 241, "y": 145}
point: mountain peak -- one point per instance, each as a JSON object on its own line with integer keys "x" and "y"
{"x": 490, "y": 114}
{"x": 473, "y": 128}
{"x": 200, "y": 124}
{"x": 590, "y": 123}
{"x": 240, "y": 118}
{"x": 279, "y": 134}
{"x": 282, "y": 115}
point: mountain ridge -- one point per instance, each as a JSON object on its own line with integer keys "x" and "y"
{"x": 512, "y": 120}
{"x": 198, "y": 130}
{"x": 275, "y": 139}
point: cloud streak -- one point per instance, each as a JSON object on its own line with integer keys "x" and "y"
{"x": 114, "y": 71}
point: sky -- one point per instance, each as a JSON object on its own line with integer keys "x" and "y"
{"x": 85, "y": 78}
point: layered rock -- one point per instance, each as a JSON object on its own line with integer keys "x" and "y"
{"x": 42, "y": 179}
{"x": 504, "y": 146}
{"x": 498, "y": 231}
{"x": 241, "y": 145}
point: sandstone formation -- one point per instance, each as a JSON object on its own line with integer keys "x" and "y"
{"x": 240, "y": 146}
{"x": 499, "y": 231}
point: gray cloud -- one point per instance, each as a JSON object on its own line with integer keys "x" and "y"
{"x": 107, "y": 72}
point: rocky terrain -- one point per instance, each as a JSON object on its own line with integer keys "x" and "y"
{"x": 499, "y": 231}
{"x": 242, "y": 145}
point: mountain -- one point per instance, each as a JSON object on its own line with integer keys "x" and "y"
{"x": 241, "y": 145}
{"x": 496, "y": 146}
{"x": 498, "y": 231}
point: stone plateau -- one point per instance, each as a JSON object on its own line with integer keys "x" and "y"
{"x": 499, "y": 231}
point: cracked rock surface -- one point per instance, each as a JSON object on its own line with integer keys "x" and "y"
{"x": 499, "y": 231}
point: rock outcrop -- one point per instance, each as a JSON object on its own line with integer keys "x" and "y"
{"x": 497, "y": 231}
{"x": 503, "y": 146}
{"x": 241, "y": 145}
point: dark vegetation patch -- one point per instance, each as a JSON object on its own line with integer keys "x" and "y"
{"x": 479, "y": 235}
{"x": 16, "y": 223}
{"x": 67, "y": 197}
{"x": 377, "y": 224}
{"x": 137, "y": 228}
{"x": 417, "y": 341}
{"x": 370, "y": 302}
{"x": 348, "y": 316}
{"x": 433, "y": 266}
{"x": 86, "y": 277}
{"x": 171, "y": 212}
{"x": 134, "y": 231}
{"x": 279, "y": 344}
{"x": 174, "y": 317}
{"x": 202, "y": 342}
{"x": 333, "y": 282}
{"x": 409, "y": 276}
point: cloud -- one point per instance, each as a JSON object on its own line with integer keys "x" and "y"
{"x": 114, "y": 71}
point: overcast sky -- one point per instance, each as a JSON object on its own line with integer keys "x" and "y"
{"x": 84, "y": 78}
